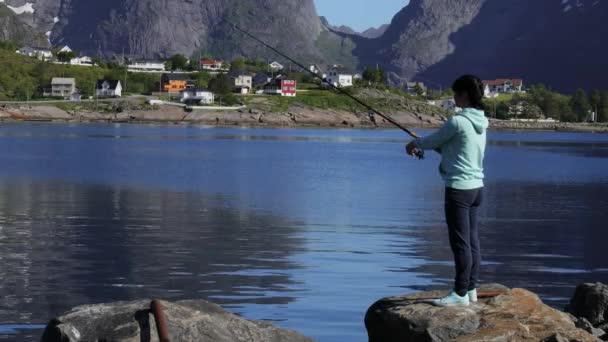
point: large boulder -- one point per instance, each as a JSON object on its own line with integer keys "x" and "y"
{"x": 590, "y": 301}
{"x": 515, "y": 315}
{"x": 195, "y": 320}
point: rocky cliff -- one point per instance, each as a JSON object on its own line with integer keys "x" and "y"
{"x": 160, "y": 28}
{"x": 15, "y": 30}
{"x": 555, "y": 42}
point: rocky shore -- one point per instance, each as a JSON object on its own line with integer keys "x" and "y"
{"x": 513, "y": 315}
{"x": 296, "y": 116}
{"x": 501, "y": 314}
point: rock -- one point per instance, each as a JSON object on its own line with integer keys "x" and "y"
{"x": 591, "y": 302}
{"x": 583, "y": 323}
{"x": 195, "y": 320}
{"x": 555, "y": 338}
{"x": 517, "y": 315}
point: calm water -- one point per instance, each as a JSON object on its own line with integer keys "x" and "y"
{"x": 305, "y": 228}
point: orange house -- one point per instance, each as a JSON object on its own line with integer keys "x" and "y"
{"x": 173, "y": 83}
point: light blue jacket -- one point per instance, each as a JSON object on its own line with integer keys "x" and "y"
{"x": 462, "y": 143}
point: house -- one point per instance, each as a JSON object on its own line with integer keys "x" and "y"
{"x": 65, "y": 49}
{"x": 241, "y": 81}
{"x": 275, "y": 66}
{"x": 447, "y": 104}
{"x": 62, "y": 87}
{"x": 212, "y": 64}
{"x": 37, "y": 52}
{"x": 502, "y": 85}
{"x": 340, "y": 76}
{"x": 108, "y": 88}
{"x": 263, "y": 78}
{"x": 146, "y": 66}
{"x": 196, "y": 95}
{"x": 318, "y": 69}
{"x": 173, "y": 83}
{"x": 281, "y": 86}
{"x": 84, "y": 60}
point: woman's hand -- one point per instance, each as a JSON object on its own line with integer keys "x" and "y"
{"x": 412, "y": 149}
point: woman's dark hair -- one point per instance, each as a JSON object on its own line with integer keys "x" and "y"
{"x": 473, "y": 87}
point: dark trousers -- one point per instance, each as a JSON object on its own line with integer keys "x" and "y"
{"x": 461, "y": 209}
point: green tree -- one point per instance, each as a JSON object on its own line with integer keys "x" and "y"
{"x": 238, "y": 64}
{"x": 177, "y": 62}
{"x": 66, "y": 56}
{"x": 603, "y": 108}
{"x": 580, "y": 105}
{"x": 418, "y": 89}
{"x": 595, "y": 99}
{"x": 220, "y": 85}
{"x": 374, "y": 75}
{"x": 8, "y": 46}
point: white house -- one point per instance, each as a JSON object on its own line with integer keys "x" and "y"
{"x": 108, "y": 88}
{"x": 448, "y": 105}
{"x": 212, "y": 65}
{"x": 146, "y": 66}
{"x": 241, "y": 81}
{"x": 318, "y": 69}
{"x": 62, "y": 87}
{"x": 84, "y": 60}
{"x": 275, "y": 66}
{"x": 40, "y": 53}
{"x": 502, "y": 85}
{"x": 339, "y": 76}
{"x": 65, "y": 49}
{"x": 412, "y": 86}
{"x": 197, "y": 95}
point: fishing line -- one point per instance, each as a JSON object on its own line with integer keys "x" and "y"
{"x": 338, "y": 89}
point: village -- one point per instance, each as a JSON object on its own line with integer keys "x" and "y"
{"x": 175, "y": 86}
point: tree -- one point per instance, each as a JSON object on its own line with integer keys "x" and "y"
{"x": 595, "y": 99}
{"x": 220, "y": 85}
{"x": 374, "y": 75}
{"x": 66, "y": 56}
{"x": 177, "y": 62}
{"x": 419, "y": 90}
{"x": 580, "y": 105}
{"x": 603, "y": 108}
{"x": 238, "y": 64}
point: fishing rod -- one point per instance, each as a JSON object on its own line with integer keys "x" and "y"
{"x": 340, "y": 90}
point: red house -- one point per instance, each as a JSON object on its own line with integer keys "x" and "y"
{"x": 281, "y": 87}
{"x": 212, "y": 64}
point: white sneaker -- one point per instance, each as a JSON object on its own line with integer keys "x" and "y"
{"x": 452, "y": 299}
{"x": 472, "y": 296}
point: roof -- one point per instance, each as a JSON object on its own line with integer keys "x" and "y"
{"x": 175, "y": 77}
{"x": 113, "y": 83}
{"x": 237, "y": 73}
{"x": 211, "y": 61}
{"x": 342, "y": 70}
{"x": 196, "y": 90}
{"x": 62, "y": 80}
{"x": 498, "y": 82}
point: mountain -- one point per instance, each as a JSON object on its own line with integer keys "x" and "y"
{"x": 161, "y": 28}
{"x": 558, "y": 43}
{"x": 374, "y": 32}
{"x": 15, "y": 30}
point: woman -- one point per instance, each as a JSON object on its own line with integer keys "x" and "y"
{"x": 461, "y": 143}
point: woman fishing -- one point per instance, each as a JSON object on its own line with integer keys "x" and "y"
{"x": 461, "y": 142}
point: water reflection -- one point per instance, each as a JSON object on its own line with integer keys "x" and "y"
{"x": 542, "y": 237}
{"x": 68, "y": 244}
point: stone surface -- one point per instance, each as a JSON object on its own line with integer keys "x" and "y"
{"x": 591, "y": 302}
{"x": 517, "y": 315}
{"x": 583, "y": 323}
{"x": 194, "y": 320}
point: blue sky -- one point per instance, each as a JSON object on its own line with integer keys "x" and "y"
{"x": 359, "y": 14}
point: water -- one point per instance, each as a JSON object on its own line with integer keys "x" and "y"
{"x": 305, "y": 228}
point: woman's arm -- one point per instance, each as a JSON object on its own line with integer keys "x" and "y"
{"x": 437, "y": 139}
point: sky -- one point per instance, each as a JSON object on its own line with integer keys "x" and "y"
{"x": 359, "y": 14}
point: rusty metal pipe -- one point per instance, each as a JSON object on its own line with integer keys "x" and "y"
{"x": 159, "y": 317}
